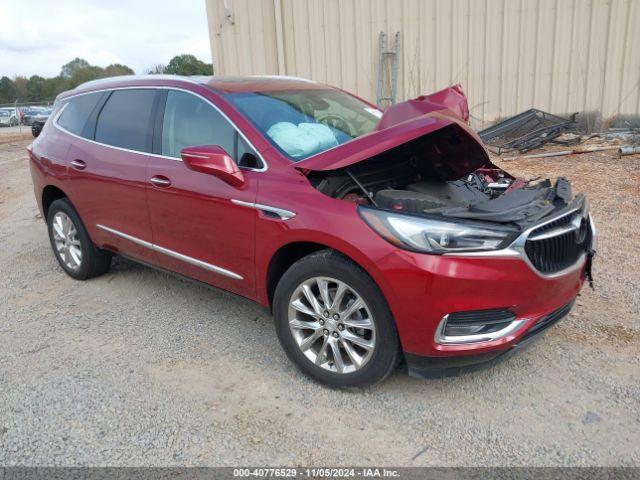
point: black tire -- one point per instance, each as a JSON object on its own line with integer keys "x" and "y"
{"x": 329, "y": 263}
{"x": 94, "y": 261}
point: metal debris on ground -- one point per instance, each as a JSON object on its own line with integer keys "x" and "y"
{"x": 561, "y": 153}
{"x": 628, "y": 151}
{"x": 527, "y": 130}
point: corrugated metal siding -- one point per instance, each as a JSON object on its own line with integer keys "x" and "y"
{"x": 557, "y": 55}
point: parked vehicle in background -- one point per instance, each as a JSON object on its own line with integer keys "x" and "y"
{"x": 374, "y": 237}
{"x": 38, "y": 121}
{"x": 8, "y": 117}
{"x": 30, "y": 114}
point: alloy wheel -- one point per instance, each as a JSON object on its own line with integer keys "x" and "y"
{"x": 65, "y": 236}
{"x": 332, "y": 324}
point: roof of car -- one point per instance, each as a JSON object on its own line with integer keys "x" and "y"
{"x": 223, "y": 84}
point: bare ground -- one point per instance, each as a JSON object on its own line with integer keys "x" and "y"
{"x": 140, "y": 368}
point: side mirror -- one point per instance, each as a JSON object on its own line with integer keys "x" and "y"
{"x": 213, "y": 160}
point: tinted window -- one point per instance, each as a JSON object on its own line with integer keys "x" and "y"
{"x": 190, "y": 121}
{"x": 76, "y": 113}
{"x": 245, "y": 155}
{"x": 124, "y": 120}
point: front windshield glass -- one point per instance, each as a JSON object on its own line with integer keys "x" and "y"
{"x": 4, "y": 113}
{"x": 302, "y": 123}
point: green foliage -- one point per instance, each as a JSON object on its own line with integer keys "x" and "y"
{"x": 116, "y": 69}
{"x": 74, "y": 73}
{"x": 78, "y": 71}
{"x": 35, "y": 87}
{"x": 7, "y": 90}
{"x": 69, "y": 69}
{"x": 158, "y": 68}
{"x": 188, "y": 65}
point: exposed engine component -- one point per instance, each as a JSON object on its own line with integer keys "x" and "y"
{"x": 421, "y": 177}
{"x": 406, "y": 201}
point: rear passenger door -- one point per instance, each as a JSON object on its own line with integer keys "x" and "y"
{"x": 200, "y": 232}
{"x": 107, "y": 170}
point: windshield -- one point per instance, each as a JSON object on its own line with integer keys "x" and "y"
{"x": 4, "y": 113}
{"x": 302, "y": 123}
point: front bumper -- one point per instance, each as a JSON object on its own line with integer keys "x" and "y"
{"x": 435, "y": 367}
{"x": 424, "y": 289}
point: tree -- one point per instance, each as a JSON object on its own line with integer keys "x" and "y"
{"x": 54, "y": 85}
{"x": 20, "y": 84}
{"x": 85, "y": 74}
{"x": 116, "y": 69}
{"x": 35, "y": 88}
{"x": 7, "y": 90}
{"x": 69, "y": 69}
{"x": 157, "y": 68}
{"x": 188, "y": 65}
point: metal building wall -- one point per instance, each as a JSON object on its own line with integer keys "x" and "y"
{"x": 557, "y": 55}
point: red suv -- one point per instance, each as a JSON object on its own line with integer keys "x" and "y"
{"x": 374, "y": 238}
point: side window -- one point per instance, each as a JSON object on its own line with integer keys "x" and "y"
{"x": 190, "y": 121}
{"x": 76, "y": 113}
{"x": 245, "y": 155}
{"x": 124, "y": 120}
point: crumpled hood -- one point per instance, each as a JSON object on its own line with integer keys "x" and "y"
{"x": 400, "y": 124}
{"x": 451, "y": 101}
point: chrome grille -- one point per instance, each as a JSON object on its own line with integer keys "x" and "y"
{"x": 559, "y": 244}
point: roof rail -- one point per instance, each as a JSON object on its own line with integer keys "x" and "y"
{"x": 100, "y": 81}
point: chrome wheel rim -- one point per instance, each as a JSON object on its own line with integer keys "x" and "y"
{"x": 332, "y": 325}
{"x": 67, "y": 243}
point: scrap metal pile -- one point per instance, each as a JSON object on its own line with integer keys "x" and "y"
{"x": 526, "y": 131}
{"x": 534, "y": 128}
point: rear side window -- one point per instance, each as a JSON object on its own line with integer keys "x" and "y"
{"x": 77, "y": 112}
{"x": 190, "y": 121}
{"x": 125, "y": 120}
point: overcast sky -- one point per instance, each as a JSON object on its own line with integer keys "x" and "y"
{"x": 39, "y": 36}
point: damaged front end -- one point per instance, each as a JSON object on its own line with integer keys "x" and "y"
{"x": 426, "y": 184}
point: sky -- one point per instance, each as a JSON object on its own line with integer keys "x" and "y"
{"x": 37, "y": 37}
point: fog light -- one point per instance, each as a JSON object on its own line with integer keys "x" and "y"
{"x": 477, "y": 326}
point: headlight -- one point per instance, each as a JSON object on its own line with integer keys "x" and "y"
{"x": 430, "y": 235}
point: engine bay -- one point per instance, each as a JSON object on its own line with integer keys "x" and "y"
{"x": 444, "y": 174}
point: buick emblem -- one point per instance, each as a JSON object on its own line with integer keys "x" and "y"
{"x": 579, "y": 224}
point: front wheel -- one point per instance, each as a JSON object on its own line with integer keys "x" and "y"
{"x": 334, "y": 323}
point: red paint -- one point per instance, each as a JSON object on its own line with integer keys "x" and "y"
{"x": 195, "y": 216}
{"x": 213, "y": 160}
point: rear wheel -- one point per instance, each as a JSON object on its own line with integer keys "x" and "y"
{"x": 334, "y": 323}
{"x": 71, "y": 244}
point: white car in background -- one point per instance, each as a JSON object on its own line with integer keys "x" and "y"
{"x": 8, "y": 117}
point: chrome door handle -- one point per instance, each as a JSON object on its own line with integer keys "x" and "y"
{"x": 160, "y": 181}
{"x": 78, "y": 164}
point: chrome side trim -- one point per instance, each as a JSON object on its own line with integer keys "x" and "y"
{"x": 118, "y": 233}
{"x": 198, "y": 263}
{"x": 172, "y": 253}
{"x": 264, "y": 167}
{"x": 281, "y": 212}
{"x": 443, "y": 339}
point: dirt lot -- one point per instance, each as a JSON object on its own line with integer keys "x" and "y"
{"x": 140, "y": 368}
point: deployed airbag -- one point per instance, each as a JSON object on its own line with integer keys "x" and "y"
{"x": 302, "y": 140}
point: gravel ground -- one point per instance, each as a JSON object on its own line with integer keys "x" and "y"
{"x": 140, "y": 368}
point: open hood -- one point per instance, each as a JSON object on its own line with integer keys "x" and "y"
{"x": 451, "y": 101}
{"x": 408, "y": 121}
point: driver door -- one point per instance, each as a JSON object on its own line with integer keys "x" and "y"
{"x": 197, "y": 230}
